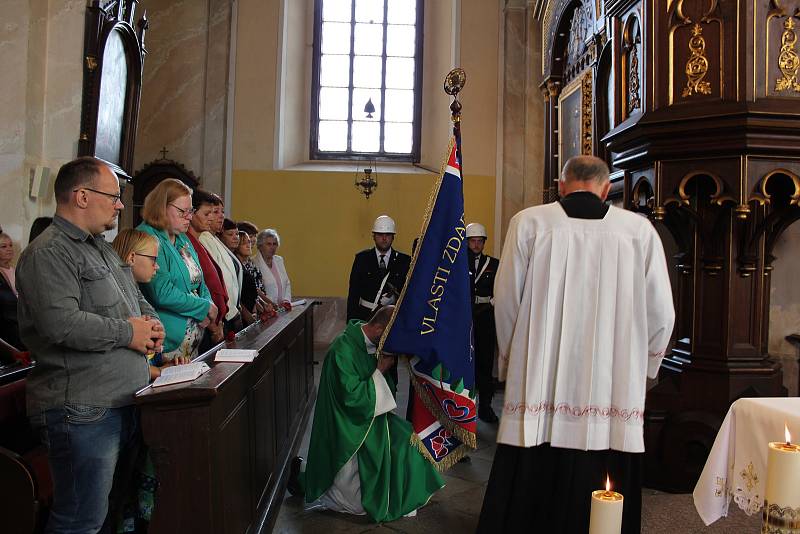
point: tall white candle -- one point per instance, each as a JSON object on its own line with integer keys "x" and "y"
{"x": 606, "y": 514}
{"x": 783, "y": 473}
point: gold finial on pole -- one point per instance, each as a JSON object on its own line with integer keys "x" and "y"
{"x": 453, "y": 84}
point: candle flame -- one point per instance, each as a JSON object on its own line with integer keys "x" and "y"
{"x": 608, "y": 483}
{"x": 786, "y": 431}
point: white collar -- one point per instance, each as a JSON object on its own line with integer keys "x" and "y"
{"x": 372, "y": 348}
{"x": 386, "y": 255}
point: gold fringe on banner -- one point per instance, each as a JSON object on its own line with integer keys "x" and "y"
{"x": 466, "y": 437}
{"x": 449, "y": 461}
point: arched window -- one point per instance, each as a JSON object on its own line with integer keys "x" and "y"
{"x": 367, "y": 79}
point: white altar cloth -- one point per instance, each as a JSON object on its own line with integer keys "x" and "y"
{"x": 737, "y": 464}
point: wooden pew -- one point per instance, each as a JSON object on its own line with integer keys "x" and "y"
{"x": 222, "y": 444}
{"x": 26, "y": 491}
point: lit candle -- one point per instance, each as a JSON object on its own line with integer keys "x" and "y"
{"x": 783, "y": 478}
{"x": 606, "y": 515}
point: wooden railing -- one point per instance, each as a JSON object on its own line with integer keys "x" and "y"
{"x": 221, "y": 445}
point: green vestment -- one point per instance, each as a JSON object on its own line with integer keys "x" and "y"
{"x": 395, "y": 478}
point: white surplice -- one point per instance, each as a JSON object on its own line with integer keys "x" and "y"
{"x": 584, "y": 313}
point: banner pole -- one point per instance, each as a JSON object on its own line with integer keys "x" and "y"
{"x": 453, "y": 84}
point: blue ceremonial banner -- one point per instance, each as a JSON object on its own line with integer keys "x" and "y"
{"x": 432, "y": 323}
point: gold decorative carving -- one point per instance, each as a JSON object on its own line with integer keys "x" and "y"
{"x": 552, "y": 88}
{"x": 683, "y": 198}
{"x": 91, "y": 63}
{"x": 765, "y": 198}
{"x": 633, "y": 80}
{"x": 788, "y": 61}
{"x": 631, "y": 40}
{"x": 742, "y": 211}
{"x": 696, "y": 65}
{"x": 586, "y": 114}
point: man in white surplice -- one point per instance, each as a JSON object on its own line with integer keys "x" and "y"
{"x": 584, "y": 314}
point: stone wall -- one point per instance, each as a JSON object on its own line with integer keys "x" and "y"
{"x": 41, "y": 45}
{"x": 522, "y": 135}
{"x": 185, "y": 86}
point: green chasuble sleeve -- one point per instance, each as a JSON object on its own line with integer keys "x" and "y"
{"x": 395, "y": 478}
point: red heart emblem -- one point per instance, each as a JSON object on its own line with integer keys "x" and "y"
{"x": 454, "y": 411}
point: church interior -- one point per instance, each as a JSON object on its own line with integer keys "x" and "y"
{"x": 693, "y": 104}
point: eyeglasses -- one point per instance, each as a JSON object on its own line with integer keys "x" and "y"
{"x": 115, "y": 198}
{"x": 152, "y": 258}
{"x": 184, "y": 213}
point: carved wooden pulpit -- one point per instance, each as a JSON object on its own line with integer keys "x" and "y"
{"x": 696, "y": 107}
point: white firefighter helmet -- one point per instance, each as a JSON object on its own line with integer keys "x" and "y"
{"x": 383, "y": 225}
{"x": 476, "y": 230}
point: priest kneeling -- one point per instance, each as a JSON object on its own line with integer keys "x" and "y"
{"x": 362, "y": 459}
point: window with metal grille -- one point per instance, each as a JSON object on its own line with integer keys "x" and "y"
{"x": 367, "y": 79}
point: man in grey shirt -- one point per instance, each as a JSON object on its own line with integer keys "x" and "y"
{"x": 83, "y": 317}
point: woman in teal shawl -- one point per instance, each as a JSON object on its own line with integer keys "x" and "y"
{"x": 177, "y": 291}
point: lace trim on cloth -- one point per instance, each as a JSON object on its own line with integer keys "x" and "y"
{"x": 745, "y": 494}
{"x": 563, "y": 408}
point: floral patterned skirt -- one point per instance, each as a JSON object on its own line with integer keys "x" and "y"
{"x": 192, "y": 337}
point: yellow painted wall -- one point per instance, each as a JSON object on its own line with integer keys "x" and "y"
{"x": 323, "y": 220}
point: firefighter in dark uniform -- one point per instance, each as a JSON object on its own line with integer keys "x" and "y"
{"x": 482, "y": 270}
{"x": 378, "y": 273}
{"x": 377, "y": 276}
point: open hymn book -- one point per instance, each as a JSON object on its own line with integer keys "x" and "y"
{"x": 180, "y": 373}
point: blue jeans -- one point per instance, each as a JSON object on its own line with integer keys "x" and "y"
{"x": 91, "y": 451}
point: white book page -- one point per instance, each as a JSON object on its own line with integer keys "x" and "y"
{"x": 180, "y": 373}
{"x": 235, "y": 355}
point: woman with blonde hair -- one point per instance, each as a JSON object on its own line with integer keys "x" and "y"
{"x": 9, "y": 328}
{"x": 140, "y": 251}
{"x": 176, "y": 291}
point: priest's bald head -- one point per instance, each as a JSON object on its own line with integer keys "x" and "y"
{"x": 374, "y": 328}
{"x": 584, "y": 173}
